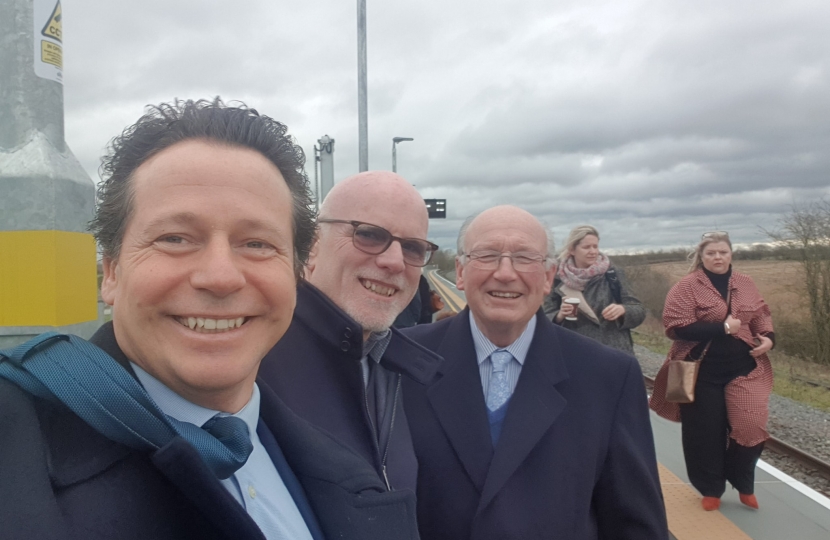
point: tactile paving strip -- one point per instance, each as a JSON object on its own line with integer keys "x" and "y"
{"x": 687, "y": 519}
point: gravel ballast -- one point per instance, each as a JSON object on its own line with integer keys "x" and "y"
{"x": 795, "y": 423}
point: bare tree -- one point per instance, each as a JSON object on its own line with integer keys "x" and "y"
{"x": 649, "y": 286}
{"x": 806, "y": 229}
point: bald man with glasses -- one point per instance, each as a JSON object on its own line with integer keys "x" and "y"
{"x": 341, "y": 365}
{"x": 528, "y": 430}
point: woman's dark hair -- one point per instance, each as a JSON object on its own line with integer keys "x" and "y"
{"x": 163, "y": 126}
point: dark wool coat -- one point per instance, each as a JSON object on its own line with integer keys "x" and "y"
{"x": 315, "y": 370}
{"x": 62, "y": 480}
{"x": 598, "y": 294}
{"x": 575, "y": 459}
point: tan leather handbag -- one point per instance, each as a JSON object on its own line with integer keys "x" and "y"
{"x": 682, "y": 374}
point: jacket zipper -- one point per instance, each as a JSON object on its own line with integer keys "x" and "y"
{"x": 391, "y": 428}
{"x": 375, "y": 429}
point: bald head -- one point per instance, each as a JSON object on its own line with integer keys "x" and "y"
{"x": 505, "y": 215}
{"x": 372, "y": 289}
{"x": 504, "y": 270}
{"x": 365, "y": 192}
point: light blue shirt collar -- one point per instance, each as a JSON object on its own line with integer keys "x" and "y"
{"x": 172, "y": 404}
{"x": 257, "y": 485}
{"x": 484, "y": 347}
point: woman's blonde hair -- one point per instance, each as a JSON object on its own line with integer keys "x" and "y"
{"x": 575, "y": 237}
{"x": 706, "y": 239}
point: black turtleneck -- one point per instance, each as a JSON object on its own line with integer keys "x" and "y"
{"x": 728, "y": 357}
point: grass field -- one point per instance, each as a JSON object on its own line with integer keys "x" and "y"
{"x": 780, "y": 282}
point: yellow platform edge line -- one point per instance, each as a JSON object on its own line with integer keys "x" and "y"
{"x": 687, "y": 519}
{"x": 47, "y": 278}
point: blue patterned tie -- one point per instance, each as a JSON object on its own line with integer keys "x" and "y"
{"x": 67, "y": 369}
{"x": 499, "y": 391}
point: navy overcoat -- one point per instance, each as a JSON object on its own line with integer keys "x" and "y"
{"x": 575, "y": 459}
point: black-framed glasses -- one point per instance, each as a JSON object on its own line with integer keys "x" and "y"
{"x": 523, "y": 261}
{"x": 374, "y": 240}
{"x": 714, "y": 234}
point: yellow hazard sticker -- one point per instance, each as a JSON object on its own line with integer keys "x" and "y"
{"x": 51, "y": 53}
{"x": 54, "y": 26}
{"x": 47, "y": 39}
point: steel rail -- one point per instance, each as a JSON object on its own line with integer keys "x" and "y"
{"x": 821, "y": 467}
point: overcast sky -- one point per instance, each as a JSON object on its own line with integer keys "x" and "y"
{"x": 653, "y": 120}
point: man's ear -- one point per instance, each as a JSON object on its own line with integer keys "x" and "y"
{"x": 110, "y": 282}
{"x": 550, "y": 274}
{"x": 459, "y": 274}
{"x": 312, "y": 259}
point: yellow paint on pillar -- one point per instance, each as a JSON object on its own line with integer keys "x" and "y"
{"x": 47, "y": 278}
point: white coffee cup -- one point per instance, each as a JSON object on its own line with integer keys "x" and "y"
{"x": 575, "y": 303}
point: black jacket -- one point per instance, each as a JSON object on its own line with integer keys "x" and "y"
{"x": 315, "y": 369}
{"x": 62, "y": 480}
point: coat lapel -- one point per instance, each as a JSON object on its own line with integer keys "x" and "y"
{"x": 181, "y": 464}
{"x": 458, "y": 400}
{"x": 269, "y": 402}
{"x": 533, "y": 408}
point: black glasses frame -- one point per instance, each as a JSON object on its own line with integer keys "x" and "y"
{"x": 428, "y": 246}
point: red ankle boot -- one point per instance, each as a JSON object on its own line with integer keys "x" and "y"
{"x": 749, "y": 500}
{"x": 711, "y": 503}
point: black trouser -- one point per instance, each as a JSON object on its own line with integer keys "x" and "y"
{"x": 712, "y": 457}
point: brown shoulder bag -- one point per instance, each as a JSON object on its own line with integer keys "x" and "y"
{"x": 682, "y": 374}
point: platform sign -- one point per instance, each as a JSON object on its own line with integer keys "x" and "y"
{"x": 48, "y": 40}
{"x": 437, "y": 208}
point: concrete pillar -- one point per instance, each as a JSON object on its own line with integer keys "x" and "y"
{"x": 48, "y": 277}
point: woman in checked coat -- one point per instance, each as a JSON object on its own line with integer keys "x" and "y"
{"x": 719, "y": 315}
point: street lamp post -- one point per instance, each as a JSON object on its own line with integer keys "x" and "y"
{"x": 362, "y": 84}
{"x": 395, "y": 141}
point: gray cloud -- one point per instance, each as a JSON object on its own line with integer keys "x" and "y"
{"x": 652, "y": 120}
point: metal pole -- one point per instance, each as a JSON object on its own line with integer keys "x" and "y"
{"x": 326, "y": 166}
{"x": 48, "y": 277}
{"x": 395, "y": 141}
{"x": 317, "y": 176}
{"x": 362, "y": 110}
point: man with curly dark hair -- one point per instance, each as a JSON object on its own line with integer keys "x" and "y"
{"x": 158, "y": 427}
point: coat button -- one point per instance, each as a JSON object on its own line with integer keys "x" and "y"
{"x": 345, "y": 346}
{"x": 347, "y": 332}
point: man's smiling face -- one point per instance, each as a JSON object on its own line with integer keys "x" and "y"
{"x": 503, "y": 300}
{"x": 204, "y": 283}
{"x": 372, "y": 289}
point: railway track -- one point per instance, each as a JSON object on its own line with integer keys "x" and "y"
{"x": 822, "y": 468}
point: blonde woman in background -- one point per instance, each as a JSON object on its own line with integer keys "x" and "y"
{"x": 587, "y": 274}
{"x": 719, "y": 315}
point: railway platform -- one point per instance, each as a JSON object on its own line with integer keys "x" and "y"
{"x": 789, "y": 510}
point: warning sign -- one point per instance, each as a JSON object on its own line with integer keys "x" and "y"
{"x": 48, "y": 39}
{"x": 51, "y": 54}
{"x": 53, "y": 28}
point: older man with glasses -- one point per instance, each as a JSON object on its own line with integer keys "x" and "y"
{"x": 528, "y": 430}
{"x": 341, "y": 365}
